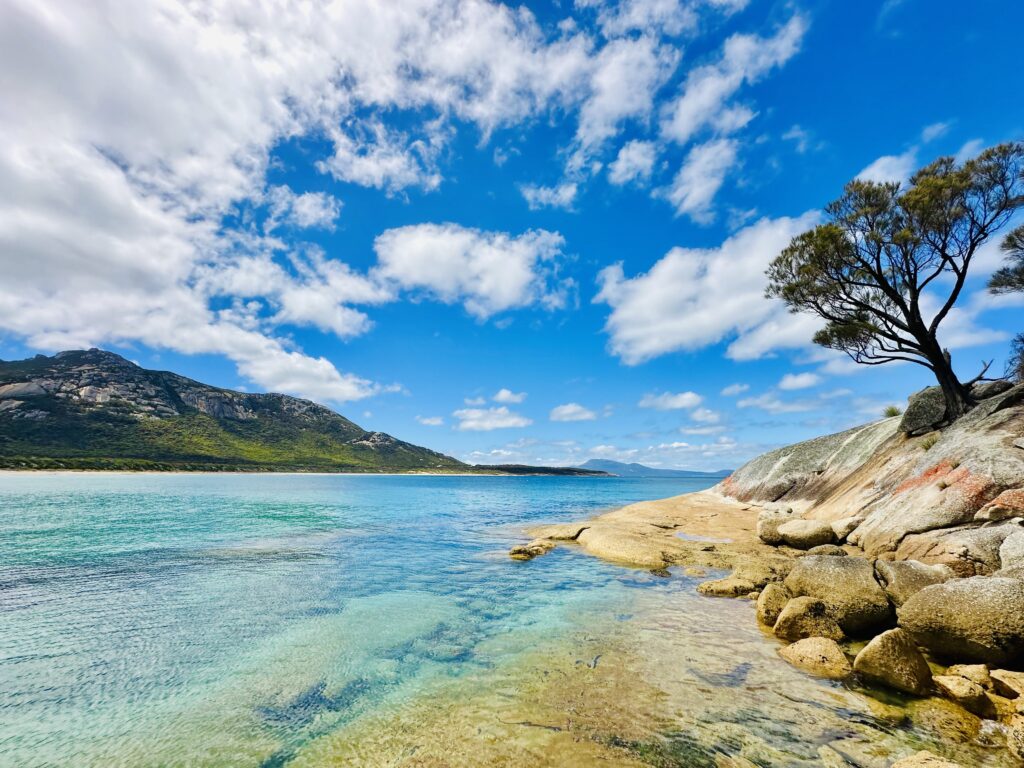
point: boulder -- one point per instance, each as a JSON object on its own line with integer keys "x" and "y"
{"x": 1007, "y": 683}
{"x": 892, "y": 659}
{"x": 806, "y": 617}
{"x": 845, "y": 526}
{"x": 770, "y": 602}
{"x": 1011, "y": 551}
{"x": 531, "y": 550}
{"x": 1015, "y": 736}
{"x": 828, "y": 550}
{"x": 944, "y": 720}
{"x": 768, "y": 522}
{"x": 976, "y": 673}
{"x": 730, "y": 586}
{"x": 925, "y": 759}
{"x": 848, "y": 587}
{"x": 1007, "y": 505}
{"x": 969, "y": 550}
{"x": 818, "y": 655}
{"x": 967, "y": 694}
{"x": 902, "y": 578}
{"x": 976, "y": 619}
{"x": 983, "y": 390}
{"x": 926, "y": 410}
{"x": 805, "y": 534}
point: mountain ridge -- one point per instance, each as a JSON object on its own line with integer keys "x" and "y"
{"x": 633, "y": 469}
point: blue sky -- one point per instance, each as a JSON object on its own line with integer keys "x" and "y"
{"x": 512, "y": 233}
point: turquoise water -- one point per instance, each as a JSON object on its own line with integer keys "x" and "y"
{"x": 176, "y": 619}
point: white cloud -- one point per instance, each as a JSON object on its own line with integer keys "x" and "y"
{"x": 695, "y": 185}
{"x": 384, "y": 158}
{"x": 538, "y": 197}
{"x": 969, "y": 150}
{"x": 306, "y": 210}
{"x": 670, "y": 401}
{"x": 705, "y": 95}
{"x": 713, "y": 429}
{"x": 773, "y": 404}
{"x": 487, "y": 419}
{"x": 635, "y": 161}
{"x": 572, "y": 412}
{"x": 430, "y": 421}
{"x": 735, "y": 389}
{"x": 799, "y": 137}
{"x": 891, "y": 168}
{"x": 487, "y": 272}
{"x": 507, "y": 396}
{"x": 934, "y": 131}
{"x": 705, "y": 415}
{"x": 799, "y": 381}
{"x": 475, "y": 400}
{"x": 693, "y": 297}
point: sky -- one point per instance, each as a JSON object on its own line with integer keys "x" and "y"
{"x": 513, "y": 233}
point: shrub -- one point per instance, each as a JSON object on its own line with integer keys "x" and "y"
{"x": 892, "y": 410}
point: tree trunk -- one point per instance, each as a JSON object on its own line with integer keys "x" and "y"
{"x": 957, "y": 396}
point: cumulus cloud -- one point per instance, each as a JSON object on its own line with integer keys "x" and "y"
{"x": 634, "y": 162}
{"x": 774, "y": 404}
{"x": 561, "y": 196}
{"x": 705, "y": 415}
{"x": 486, "y": 272}
{"x": 572, "y": 412}
{"x": 670, "y": 401}
{"x": 507, "y": 396}
{"x": 487, "y": 419}
{"x": 430, "y": 421}
{"x": 305, "y": 210}
{"x": 799, "y": 381}
{"x": 891, "y": 168}
{"x": 735, "y": 389}
{"x": 694, "y": 297}
{"x": 695, "y": 185}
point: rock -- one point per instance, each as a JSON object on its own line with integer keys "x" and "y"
{"x": 892, "y": 659}
{"x": 533, "y": 549}
{"x": 848, "y": 587}
{"x": 768, "y": 522}
{"x": 730, "y": 586}
{"x": 844, "y": 527}
{"x": 975, "y": 619}
{"x": 621, "y": 544}
{"x": 818, "y": 655}
{"x": 806, "y": 617}
{"x": 828, "y": 550}
{"x": 902, "y": 578}
{"x": 925, "y": 759}
{"x": 983, "y": 390}
{"x": 976, "y": 673}
{"x": 1007, "y": 683}
{"x": 944, "y": 719}
{"x": 1011, "y": 552}
{"x": 969, "y": 550}
{"x": 926, "y": 410}
{"x": 1008, "y": 504}
{"x": 559, "y": 531}
{"x": 770, "y": 602}
{"x": 21, "y": 389}
{"x": 1003, "y": 707}
{"x": 804, "y": 534}
{"x": 967, "y": 694}
{"x": 1015, "y": 736}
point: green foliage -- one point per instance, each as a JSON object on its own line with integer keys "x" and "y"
{"x": 892, "y": 410}
{"x": 929, "y": 441}
{"x": 1015, "y": 363}
{"x": 1010, "y": 278}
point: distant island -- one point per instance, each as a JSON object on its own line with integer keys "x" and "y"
{"x": 93, "y": 409}
{"x": 622, "y": 469}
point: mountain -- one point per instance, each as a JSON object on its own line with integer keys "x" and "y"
{"x": 639, "y": 470}
{"x": 91, "y": 409}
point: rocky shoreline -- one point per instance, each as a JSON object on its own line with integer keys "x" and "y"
{"x": 891, "y": 554}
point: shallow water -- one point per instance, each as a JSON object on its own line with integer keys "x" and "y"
{"x": 275, "y": 620}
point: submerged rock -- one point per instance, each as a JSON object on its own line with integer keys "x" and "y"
{"x": 730, "y": 586}
{"x": 892, "y": 659}
{"x": 770, "y": 602}
{"x": 925, "y": 759}
{"x": 805, "y": 534}
{"x": 902, "y": 578}
{"x": 531, "y": 550}
{"x": 806, "y": 617}
{"x": 975, "y": 619}
{"x": 821, "y": 656}
{"x": 848, "y": 587}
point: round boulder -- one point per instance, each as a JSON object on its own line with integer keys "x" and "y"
{"x": 1011, "y": 551}
{"x": 805, "y": 534}
{"x": 770, "y": 602}
{"x": 926, "y": 410}
{"x": 830, "y": 550}
{"x": 902, "y": 578}
{"x": 768, "y": 522}
{"x": 848, "y": 587}
{"x": 975, "y": 619}
{"x": 892, "y": 659}
{"x": 806, "y": 617}
{"x": 818, "y": 655}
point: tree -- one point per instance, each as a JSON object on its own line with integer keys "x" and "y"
{"x": 1010, "y": 279}
{"x": 890, "y": 263}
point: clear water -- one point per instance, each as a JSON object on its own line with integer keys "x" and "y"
{"x": 207, "y": 620}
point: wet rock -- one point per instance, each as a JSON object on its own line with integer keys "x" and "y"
{"x": 926, "y": 410}
{"x": 902, "y": 578}
{"x": 844, "y": 527}
{"x": 976, "y": 673}
{"x": 730, "y": 586}
{"x": 531, "y": 550}
{"x": 1015, "y": 736}
{"x": 848, "y": 587}
{"x": 820, "y": 656}
{"x": 944, "y": 719}
{"x": 925, "y": 759}
{"x": 806, "y": 617}
{"x": 892, "y": 659}
{"x": 828, "y": 550}
{"x": 805, "y": 534}
{"x": 770, "y": 602}
{"x": 768, "y": 522}
{"x": 1007, "y": 683}
{"x": 967, "y": 694}
{"x": 977, "y": 619}
{"x": 761, "y": 571}
{"x": 621, "y": 544}
{"x": 1011, "y": 551}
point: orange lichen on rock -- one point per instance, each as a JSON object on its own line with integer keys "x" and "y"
{"x": 930, "y": 475}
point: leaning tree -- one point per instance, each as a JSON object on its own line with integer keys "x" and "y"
{"x": 891, "y": 261}
{"x": 1010, "y": 279}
